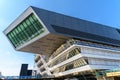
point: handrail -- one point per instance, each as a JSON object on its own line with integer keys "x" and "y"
{"x": 80, "y": 42}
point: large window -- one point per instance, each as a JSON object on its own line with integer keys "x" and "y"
{"x": 25, "y": 31}
{"x": 74, "y": 64}
{"x": 66, "y": 56}
{"x": 73, "y": 53}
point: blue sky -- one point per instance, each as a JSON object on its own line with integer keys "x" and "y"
{"x": 106, "y": 12}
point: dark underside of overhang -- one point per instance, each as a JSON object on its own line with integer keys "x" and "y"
{"x": 46, "y": 45}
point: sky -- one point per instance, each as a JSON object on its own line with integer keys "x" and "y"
{"x": 105, "y": 12}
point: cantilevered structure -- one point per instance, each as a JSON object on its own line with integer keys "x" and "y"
{"x": 64, "y": 45}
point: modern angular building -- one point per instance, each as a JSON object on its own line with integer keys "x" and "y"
{"x": 65, "y": 46}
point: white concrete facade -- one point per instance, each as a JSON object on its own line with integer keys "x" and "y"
{"x": 97, "y": 59}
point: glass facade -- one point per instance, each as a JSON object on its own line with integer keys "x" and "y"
{"x": 25, "y": 31}
{"x": 84, "y": 43}
{"x": 74, "y": 64}
{"x": 66, "y": 56}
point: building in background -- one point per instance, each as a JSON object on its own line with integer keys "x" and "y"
{"x": 65, "y": 46}
{"x": 24, "y": 70}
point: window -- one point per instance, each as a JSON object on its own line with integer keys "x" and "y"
{"x": 73, "y": 53}
{"x": 70, "y": 66}
{"x": 25, "y": 31}
{"x": 80, "y": 62}
{"x": 66, "y": 56}
{"x": 74, "y": 64}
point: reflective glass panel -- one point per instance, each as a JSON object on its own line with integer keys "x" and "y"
{"x": 25, "y": 31}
